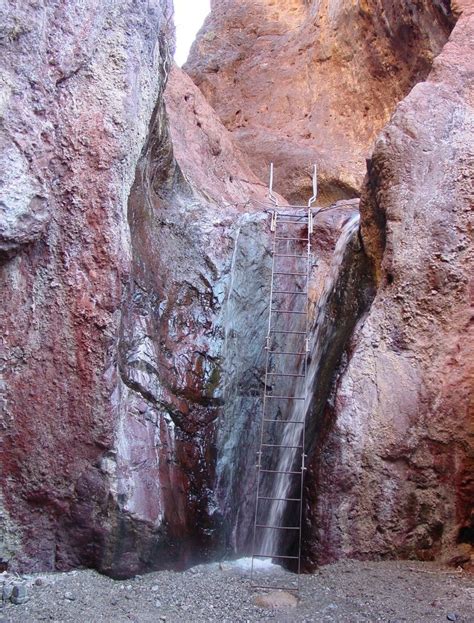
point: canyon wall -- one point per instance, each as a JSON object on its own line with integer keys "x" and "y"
{"x": 79, "y": 82}
{"x": 188, "y": 210}
{"x": 301, "y": 81}
{"x": 134, "y": 277}
{"x": 116, "y": 250}
{"x": 391, "y": 449}
{"x": 393, "y": 461}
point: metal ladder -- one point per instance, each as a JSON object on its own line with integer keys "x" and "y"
{"x": 286, "y": 368}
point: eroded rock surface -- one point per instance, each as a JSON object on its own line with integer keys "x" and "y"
{"x": 392, "y": 475}
{"x": 300, "y": 82}
{"x": 246, "y": 328}
{"x": 113, "y": 287}
{"x": 185, "y": 209}
{"x": 134, "y": 278}
{"x": 79, "y": 82}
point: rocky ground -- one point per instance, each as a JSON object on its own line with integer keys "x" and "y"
{"x": 346, "y": 592}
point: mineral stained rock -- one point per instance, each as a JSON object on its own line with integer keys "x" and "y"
{"x": 116, "y": 253}
{"x": 79, "y": 82}
{"x": 299, "y": 81}
{"x": 134, "y": 277}
{"x": 392, "y": 472}
{"x": 192, "y": 189}
{"x": 246, "y": 325}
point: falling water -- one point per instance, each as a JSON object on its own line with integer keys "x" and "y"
{"x": 288, "y": 459}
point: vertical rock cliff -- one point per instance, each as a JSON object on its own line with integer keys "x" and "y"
{"x": 190, "y": 196}
{"x": 392, "y": 473}
{"x": 134, "y": 276}
{"x": 301, "y": 81}
{"x": 79, "y": 82}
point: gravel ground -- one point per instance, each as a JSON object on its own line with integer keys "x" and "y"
{"x": 348, "y": 592}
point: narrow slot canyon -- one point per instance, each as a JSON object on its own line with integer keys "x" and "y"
{"x": 139, "y": 265}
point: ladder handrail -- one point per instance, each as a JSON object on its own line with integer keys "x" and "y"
{"x": 271, "y": 195}
{"x": 313, "y": 197}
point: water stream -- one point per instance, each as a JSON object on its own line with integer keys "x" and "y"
{"x": 284, "y": 460}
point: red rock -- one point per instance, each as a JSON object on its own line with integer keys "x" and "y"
{"x": 75, "y": 107}
{"x": 134, "y": 282}
{"x": 300, "y": 82}
{"x": 111, "y": 350}
{"x": 392, "y": 474}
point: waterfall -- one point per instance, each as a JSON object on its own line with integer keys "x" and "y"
{"x": 288, "y": 459}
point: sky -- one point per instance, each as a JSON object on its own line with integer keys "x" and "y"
{"x": 189, "y": 16}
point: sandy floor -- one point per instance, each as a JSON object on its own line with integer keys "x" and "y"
{"x": 346, "y": 592}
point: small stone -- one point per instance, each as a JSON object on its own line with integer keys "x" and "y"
{"x": 39, "y": 582}
{"x": 19, "y": 595}
{"x": 157, "y": 603}
{"x": 452, "y": 616}
{"x": 69, "y": 596}
{"x": 7, "y": 591}
{"x": 162, "y": 618}
{"x": 155, "y": 588}
{"x": 276, "y": 599}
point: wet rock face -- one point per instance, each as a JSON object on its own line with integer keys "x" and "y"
{"x": 190, "y": 192}
{"x": 299, "y": 81}
{"x": 134, "y": 276}
{"x": 246, "y": 325}
{"x": 79, "y": 81}
{"x": 393, "y": 471}
{"x": 114, "y": 279}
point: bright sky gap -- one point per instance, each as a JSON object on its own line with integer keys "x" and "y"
{"x": 189, "y": 16}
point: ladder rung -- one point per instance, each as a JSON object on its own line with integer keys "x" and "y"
{"x": 274, "y": 556}
{"x": 277, "y": 471}
{"x": 285, "y": 421}
{"x": 290, "y": 274}
{"x": 288, "y": 332}
{"x": 300, "y": 239}
{"x": 284, "y": 352}
{"x": 292, "y": 215}
{"x": 292, "y": 223}
{"x": 276, "y": 397}
{"x": 301, "y": 257}
{"x": 288, "y": 311}
{"x": 276, "y": 445}
{"x": 259, "y": 525}
{"x": 264, "y": 497}
{"x": 287, "y": 292}
{"x": 300, "y": 376}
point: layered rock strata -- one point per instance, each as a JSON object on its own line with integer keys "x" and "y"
{"x": 299, "y": 82}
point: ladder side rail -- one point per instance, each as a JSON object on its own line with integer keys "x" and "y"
{"x": 303, "y": 435}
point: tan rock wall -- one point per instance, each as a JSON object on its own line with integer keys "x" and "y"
{"x": 301, "y": 82}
